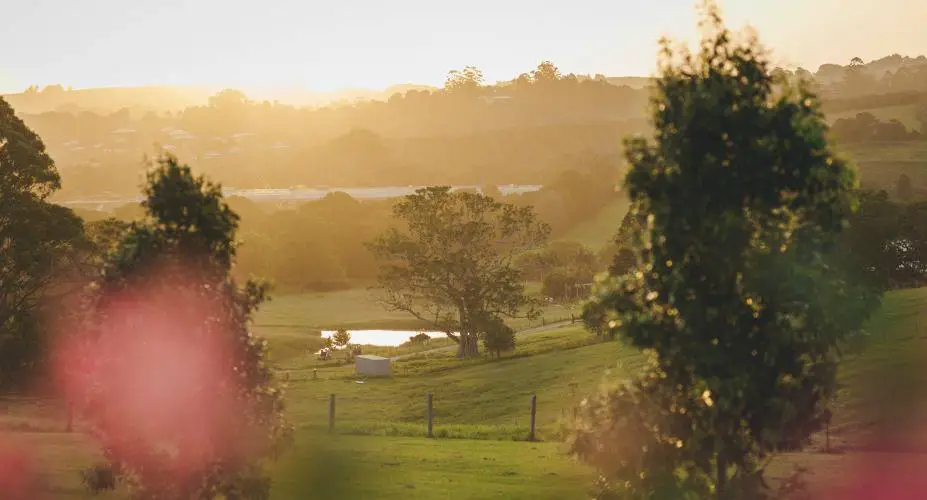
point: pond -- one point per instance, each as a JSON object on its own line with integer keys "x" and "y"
{"x": 387, "y": 338}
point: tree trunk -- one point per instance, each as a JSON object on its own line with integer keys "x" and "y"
{"x": 468, "y": 347}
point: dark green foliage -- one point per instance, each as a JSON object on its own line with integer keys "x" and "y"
{"x": 885, "y": 245}
{"x": 865, "y": 127}
{"x": 734, "y": 296}
{"x": 451, "y": 261}
{"x": 560, "y": 285}
{"x": 41, "y": 244}
{"x": 185, "y": 247}
{"x": 497, "y": 336}
{"x": 625, "y": 241}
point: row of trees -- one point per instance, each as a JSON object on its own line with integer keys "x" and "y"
{"x": 865, "y": 127}
{"x": 328, "y": 250}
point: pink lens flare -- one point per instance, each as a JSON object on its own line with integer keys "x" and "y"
{"x": 17, "y": 471}
{"x": 157, "y": 377}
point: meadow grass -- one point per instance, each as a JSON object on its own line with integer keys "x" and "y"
{"x": 349, "y": 467}
{"x": 481, "y": 408}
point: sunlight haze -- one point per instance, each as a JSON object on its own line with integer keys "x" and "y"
{"x": 365, "y": 44}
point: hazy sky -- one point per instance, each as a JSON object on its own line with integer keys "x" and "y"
{"x": 375, "y": 43}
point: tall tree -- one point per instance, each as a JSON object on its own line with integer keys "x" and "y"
{"x": 38, "y": 241}
{"x": 451, "y": 262}
{"x": 465, "y": 81}
{"x": 170, "y": 326}
{"x": 734, "y": 297}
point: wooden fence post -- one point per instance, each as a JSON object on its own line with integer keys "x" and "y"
{"x": 331, "y": 412}
{"x": 534, "y": 409}
{"x": 431, "y": 414}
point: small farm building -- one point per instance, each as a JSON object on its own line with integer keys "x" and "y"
{"x": 374, "y": 366}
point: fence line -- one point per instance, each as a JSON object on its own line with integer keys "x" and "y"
{"x": 429, "y": 416}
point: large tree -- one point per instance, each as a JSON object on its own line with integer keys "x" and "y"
{"x": 38, "y": 241}
{"x": 734, "y": 296}
{"x": 178, "y": 390}
{"x": 450, "y": 263}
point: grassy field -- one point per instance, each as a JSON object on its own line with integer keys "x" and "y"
{"x": 481, "y": 418}
{"x": 348, "y": 467}
{"x": 294, "y": 322}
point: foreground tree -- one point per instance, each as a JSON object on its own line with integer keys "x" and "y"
{"x": 38, "y": 242}
{"x": 451, "y": 262}
{"x": 178, "y": 391}
{"x": 734, "y": 296}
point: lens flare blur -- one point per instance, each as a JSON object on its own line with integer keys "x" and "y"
{"x": 156, "y": 375}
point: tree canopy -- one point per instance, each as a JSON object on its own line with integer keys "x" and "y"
{"x": 734, "y": 296}
{"x": 450, "y": 263}
{"x": 39, "y": 245}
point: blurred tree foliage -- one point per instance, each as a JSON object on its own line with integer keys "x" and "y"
{"x": 183, "y": 250}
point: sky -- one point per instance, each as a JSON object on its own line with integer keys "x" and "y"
{"x": 338, "y": 44}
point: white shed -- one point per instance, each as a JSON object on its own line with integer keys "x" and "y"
{"x": 375, "y": 366}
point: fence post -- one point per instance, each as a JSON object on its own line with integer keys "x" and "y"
{"x": 331, "y": 412}
{"x": 534, "y": 409}
{"x": 827, "y": 436}
{"x": 430, "y": 414}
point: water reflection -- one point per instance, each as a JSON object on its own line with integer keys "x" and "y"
{"x": 390, "y": 338}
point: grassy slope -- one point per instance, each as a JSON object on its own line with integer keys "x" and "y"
{"x": 351, "y": 467}
{"x": 292, "y": 322}
{"x": 490, "y": 400}
{"x": 492, "y": 396}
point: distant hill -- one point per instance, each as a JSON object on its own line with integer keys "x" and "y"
{"x": 161, "y": 99}
{"x": 109, "y": 99}
{"x": 829, "y": 77}
{"x": 828, "y": 74}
